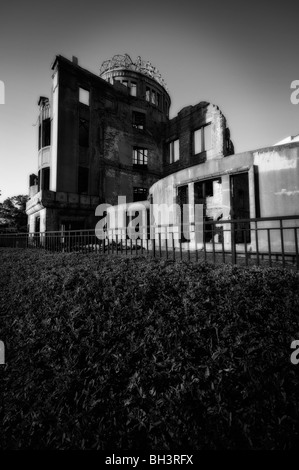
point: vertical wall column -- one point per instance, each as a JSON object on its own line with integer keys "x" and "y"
{"x": 54, "y": 136}
{"x": 251, "y": 184}
{"x": 191, "y": 212}
{"x": 252, "y": 207}
{"x": 226, "y": 204}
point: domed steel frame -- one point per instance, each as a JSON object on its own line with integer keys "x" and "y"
{"x": 140, "y": 65}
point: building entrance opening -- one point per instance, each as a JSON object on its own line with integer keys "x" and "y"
{"x": 240, "y": 207}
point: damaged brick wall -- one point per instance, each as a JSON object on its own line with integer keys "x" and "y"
{"x": 183, "y": 126}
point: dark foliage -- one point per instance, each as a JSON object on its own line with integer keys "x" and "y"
{"x": 13, "y": 213}
{"x": 115, "y": 353}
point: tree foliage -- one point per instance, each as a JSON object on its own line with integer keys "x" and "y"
{"x": 13, "y": 213}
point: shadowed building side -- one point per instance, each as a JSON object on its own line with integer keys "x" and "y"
{"x": 99, "y": 137}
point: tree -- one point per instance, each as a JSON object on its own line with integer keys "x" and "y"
{"x": 13, "y": 213}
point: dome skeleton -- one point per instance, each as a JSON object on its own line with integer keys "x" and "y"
{"x": 140, "y": 65}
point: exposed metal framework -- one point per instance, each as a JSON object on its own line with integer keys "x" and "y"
{"x": 140, "y": 65}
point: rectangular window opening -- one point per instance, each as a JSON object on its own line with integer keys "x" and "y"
{"x": 183, "y": 200}
{"x": 139, "y": 156}
{"x": 83, "y": 132}
{"x": 240, "y": 207}
{"x": 153, "y": 97}
{"x": 133, "y": 88}
{"x": 44, "y": 133}
{"x": 138, "y": 120}
{"x": 46, "y": 178}
{"x": 202, "y": 139}
{"x": 174, "y": 151}
{"x": 197, "y": 136}
{"x": 209, "y": 194}
{"x": 37, "y": 224}
{"x": 159, "y": 100}
{"x": 84, "y": 96}
{"x": 83, "y": 176}
{"x": 140, "y": 194}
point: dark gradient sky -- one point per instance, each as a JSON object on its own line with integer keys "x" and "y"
{"x": 242, "y": 58}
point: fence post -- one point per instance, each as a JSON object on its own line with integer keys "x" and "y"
{"x": 269, "y": 246}
{"x": 296, "y": 248}
{"x": 282, "y": 242}
{"x": 233, "y": 242}
{"x": 160, "y": 251}
{"x": 257, "y": 244}
{"x": 62, "y": 239}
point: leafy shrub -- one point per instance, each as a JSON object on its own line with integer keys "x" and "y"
{"x": 116, "y": 353}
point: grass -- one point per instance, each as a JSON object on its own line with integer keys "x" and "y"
{"x": 144, "y": 354}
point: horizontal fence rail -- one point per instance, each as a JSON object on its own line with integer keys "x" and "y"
{"x": 264, "y": 241}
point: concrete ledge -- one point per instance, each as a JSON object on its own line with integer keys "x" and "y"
{"x": 59, "y": 199}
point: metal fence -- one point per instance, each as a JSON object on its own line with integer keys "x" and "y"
{"x": 263, "y": 241}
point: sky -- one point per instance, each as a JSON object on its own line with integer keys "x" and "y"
{"x": 240, "y": 56}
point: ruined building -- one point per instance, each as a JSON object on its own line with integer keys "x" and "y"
{"x": 110, "y": 135}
